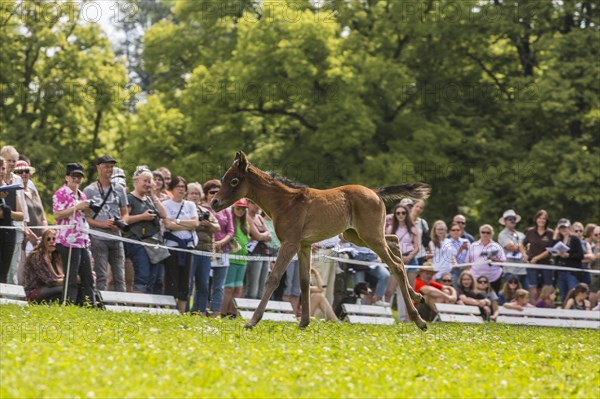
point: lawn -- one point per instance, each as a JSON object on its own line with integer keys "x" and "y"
{"x": 73, "y": 352}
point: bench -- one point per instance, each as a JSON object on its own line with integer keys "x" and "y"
{"x": 368, "y": 314}
{"x": 138, "y": 303}
{"x": 275, "y": 310}
{"x": 12, "y": 294}
{"x": 549, "y": 317}
{"x": 449, "y": 313}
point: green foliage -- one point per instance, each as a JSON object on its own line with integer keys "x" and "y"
{"x": 72, "y": 352}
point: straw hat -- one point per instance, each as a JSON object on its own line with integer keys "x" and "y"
{"x": 507, "y": 214}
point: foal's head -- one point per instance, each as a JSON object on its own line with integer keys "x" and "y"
{"x": 234, "y": 184}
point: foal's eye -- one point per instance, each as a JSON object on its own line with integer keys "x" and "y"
{"x": 234, "y": 182}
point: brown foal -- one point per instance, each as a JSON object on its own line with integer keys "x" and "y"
{"x": 302, "y": 216}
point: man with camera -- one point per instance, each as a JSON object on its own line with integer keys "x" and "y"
{"x": 109, "y": 217}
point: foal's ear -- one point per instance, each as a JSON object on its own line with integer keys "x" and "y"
{"x": 242, "y": 161}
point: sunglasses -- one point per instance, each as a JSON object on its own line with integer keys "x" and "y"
{"x": 486, "y": 232}
{"x": 22, "y": 171}
{"x": 578, "y": 231}
{"x": 460, "y": 222}
{"x": 510, "y": 219}
{"x": 454, "y": 229}
{"x": 50, "y": 239}
{"x": 213, "y": 192}
{"x": 482, "y": 281}
{"x": 446, "y": 281}
{"x": 400, "y": 213}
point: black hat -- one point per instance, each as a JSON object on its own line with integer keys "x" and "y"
{"x": 74, "y": 168}
{"x": 105, "y": 159}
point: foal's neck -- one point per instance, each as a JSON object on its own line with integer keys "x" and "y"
{"x": 267, "y": 192}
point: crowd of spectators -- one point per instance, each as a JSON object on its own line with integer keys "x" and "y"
{"x": 445, "y": 263}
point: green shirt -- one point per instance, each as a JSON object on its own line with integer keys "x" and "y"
{"x": 243, "y": 240}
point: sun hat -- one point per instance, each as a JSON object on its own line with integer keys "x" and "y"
{"x": 23, "y": 165}
{"x": 242, "y": 203}
{"x": 507, "y": 214}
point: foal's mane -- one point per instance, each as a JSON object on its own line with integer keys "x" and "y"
{"x": 284, "y": 180}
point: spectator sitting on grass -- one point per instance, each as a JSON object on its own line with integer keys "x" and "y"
{"x": 520, "y": 302}
{"x": 446, "y": 279}
{"x": 43, "y": 276}
{"x": 577, "y": 298}
{"x": 432, "y": 291}
{"x": 318, "y": 299}
{"x": 547, "y": 298}
{"x": 509, "y": 291}
{"x": 490, "y": 299}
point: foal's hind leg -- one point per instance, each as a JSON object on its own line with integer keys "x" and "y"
{"x": 394, "y": 245}
{"x": 286, "y": 253}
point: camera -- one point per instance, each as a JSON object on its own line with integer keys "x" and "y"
{"x": 204, "y": 216}
{"x": 152, "y": 212}
{"x": 94, "y": 207}
{"x": 124, "y": 227}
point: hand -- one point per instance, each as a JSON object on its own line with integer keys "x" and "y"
{"x": 563, "y": 254}
{"x": 149, "y": 215}
{"x": 82, "y": 206}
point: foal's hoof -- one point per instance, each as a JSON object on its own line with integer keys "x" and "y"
{"x": 421, "y": 324}
{"x": 249, "y": 326}
{"x": 303, "y": 324}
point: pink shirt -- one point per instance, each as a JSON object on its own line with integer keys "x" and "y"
{"x": 76, "y": 237}
{"x": 481, "y": 266}
{"x": 406, "y": 239}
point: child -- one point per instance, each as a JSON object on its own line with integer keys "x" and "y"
{"x": 547, "y": 298}
{"x": 576, "y": 300}
{"x": 520, "y": 302}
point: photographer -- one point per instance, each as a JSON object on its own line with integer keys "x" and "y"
{"x": 145, "y": 212}
{"x": 109, "y": 216}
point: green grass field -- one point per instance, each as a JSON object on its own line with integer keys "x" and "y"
{"x": 72, "y": 352}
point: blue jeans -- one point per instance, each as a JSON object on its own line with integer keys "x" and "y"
{"x": 379, "y": 272}
{"x": 145, "y": 273}
{"x": 256, "y": 273}
{"x": 199, "y": 278}
{"x": 218, "y": 281}
{"x": 565, "y": 281}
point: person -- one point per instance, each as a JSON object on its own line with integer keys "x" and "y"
{"x": 423, "y": 229}
{"x": 566, "y": 280}
{"x": 318, "y": 299}
{"x": 577, "y": 298}
{"x": 234, "y": 281}
{"x": 7, "y": 235}
{"x": 70, "y": 207}
{"x": 258, "y": 270}
{"x": 461, "y": 245}
{"x": 107, "y": 219}
{"x": 511, "y": 241}
{"x": 547, "y": 298}
{"x": 35, "y": 209}
{"x": 377, "y": 271}
{"x": 432, "y": 291}
{"x": 446, "y": 279}
{"x": 160, "y": 188}
{"x": 145, "y": 212}
{"x": 20, "y": 217}
{"x": 588, "y": 255}
{"x": 442, "y": 253}
{"x": 180, "y": 232}
{"x": 461, "y": 221}
{"x": 43, "y": 276}
{"x": 593, "y": 237}
{"x": 509, "y": 291}
{"x": 537, "y": 239}
{"x": 402, "y": 226}
{"x": 467, "y": 296}
{"x": 520, "y": 301}
{"x": 483, "y": 291}
{"x": 201, "y": 267}
{"x": 166, "y": 173}
{"x": 484, "y": 251}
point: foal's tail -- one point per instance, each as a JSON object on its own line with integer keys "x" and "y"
{"x": 410, "y": 190}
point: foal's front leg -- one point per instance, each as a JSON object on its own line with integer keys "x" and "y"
{"x": 286, "y": 253}
{"x": 304, "y": 269}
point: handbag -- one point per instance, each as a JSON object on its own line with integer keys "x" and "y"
{"x": 155, "y": 254}
{"x": 234, "y": 245}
